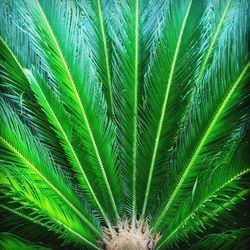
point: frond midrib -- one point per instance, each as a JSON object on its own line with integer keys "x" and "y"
{"x": 201, "y": 144}
{"x": 107, "y": 65}
{"x": 208, "y": 54}
{"x": 13, "y": 56}
{"x": 44, "y": 178}
{"x": 75, "y": 156}
{"x": 203, "y": 202}
{"x": 135, "y": 113}
{"x": 99, "y": 159}
{"x": 228, "y": 203}
{"x": 26, "y": 217}
{"x": 163, "y": 111}
{"x": 211, "y": 47}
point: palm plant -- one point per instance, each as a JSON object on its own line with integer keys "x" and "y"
{"x": 124, "y": 124}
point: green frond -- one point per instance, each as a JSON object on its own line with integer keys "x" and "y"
{"x": 215, "y": 185}
{"x": 22, "y": 219}
{"x": 167, "y": 84}
{"x": 128, "y": 83}
{"x": 16, "y": 37}
{"x": 16, "y": 88}
{"x": 133, "y": 31}
{"x": 35, "y": 204}
{"x": 10, "y": 241}
{"x": 95, "y": 20}
{"x": 12, "y": 32}
{"x": 210, "y": 118}
{"x": 36, "y": 173}
{"x": 64, "y": 129}
{"x": 11, "y": 70}
{"x": 213, "y": 213}
{"x": 231, "y": 239}
{"x": 89, "y": 110}
{"x": 29, "y": 212}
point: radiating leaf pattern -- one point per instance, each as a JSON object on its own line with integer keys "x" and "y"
{"x": 123, "y": 114}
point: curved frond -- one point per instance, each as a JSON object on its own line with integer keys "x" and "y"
{"x": 15, "y": 87}
{"x": 168, "y": 81}
{"x": 75, "y": 88}
{"x": 206, "y": 119}
{"x": 210, "y": 214}
{"x": 202, "y": 203}
{"x": 10, "y": 241}
{"x": 19, "y": 146}
{"x": 133, "y": 32}
{"x": 60, "y": 120}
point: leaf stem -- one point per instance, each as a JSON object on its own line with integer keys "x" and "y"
{"x": 78, "y": 99}
{"x": 44, "y": 178}
{"x": 200, "y": 146}
{"x": 163, "y": 112}
{"x": 104, "y": 39}
{"x": 134, "y": 147}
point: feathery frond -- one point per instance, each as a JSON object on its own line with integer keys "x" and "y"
{"x": 9, "y": 241}
{"x": 34, "y": 166}
{"x": 204, "y": 121}
{"x": 95, "y": 21}
{"x": 133, "y": 33}
{"x": 167, "y": 85}
{"x": 74, "y": 87}
{"x": 124, "y": 124}
{"x": 225, "y": 177}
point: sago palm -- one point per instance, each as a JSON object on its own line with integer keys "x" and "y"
{"x": 124, "y": 124}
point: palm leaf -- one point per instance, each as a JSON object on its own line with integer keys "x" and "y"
{"x": 167, "y": 85}
{"x": 128, "y": 84}
{"x": 17, "y": 89}
{"x": 21, "y": 217}
{"x": 86, "y": 110}
{"x": 60, "y": 120}
{"x": 132, "y": 34}
{"x": 214, "y": 212}
{"x": 9, "y": 241}
{"x": 204, "y": 122}
{"x": 95, "y": 20}
{"x": 214, "y": 186}
{"x": 36, "y": 166}
{"x": 32, "y": 213}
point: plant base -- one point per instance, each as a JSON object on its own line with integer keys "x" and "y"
{"x": 127, "y": 238}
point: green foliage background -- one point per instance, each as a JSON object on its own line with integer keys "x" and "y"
{"x": 124, "y": 109}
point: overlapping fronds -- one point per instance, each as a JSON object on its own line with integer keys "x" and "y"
{"x": 10, "y": 241}
{"x": 225, "y": 177}
{"x": 16, "y": 87}
{"x": 124, "y": 116}
{"x": 202, "y": 137}
{"x": 25, "y": 162}
{"x": 95, "y": 20}
{"x": 133, "y": 33}
{"x": 168, "y": 82}
{"x": 79, "y": 90}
